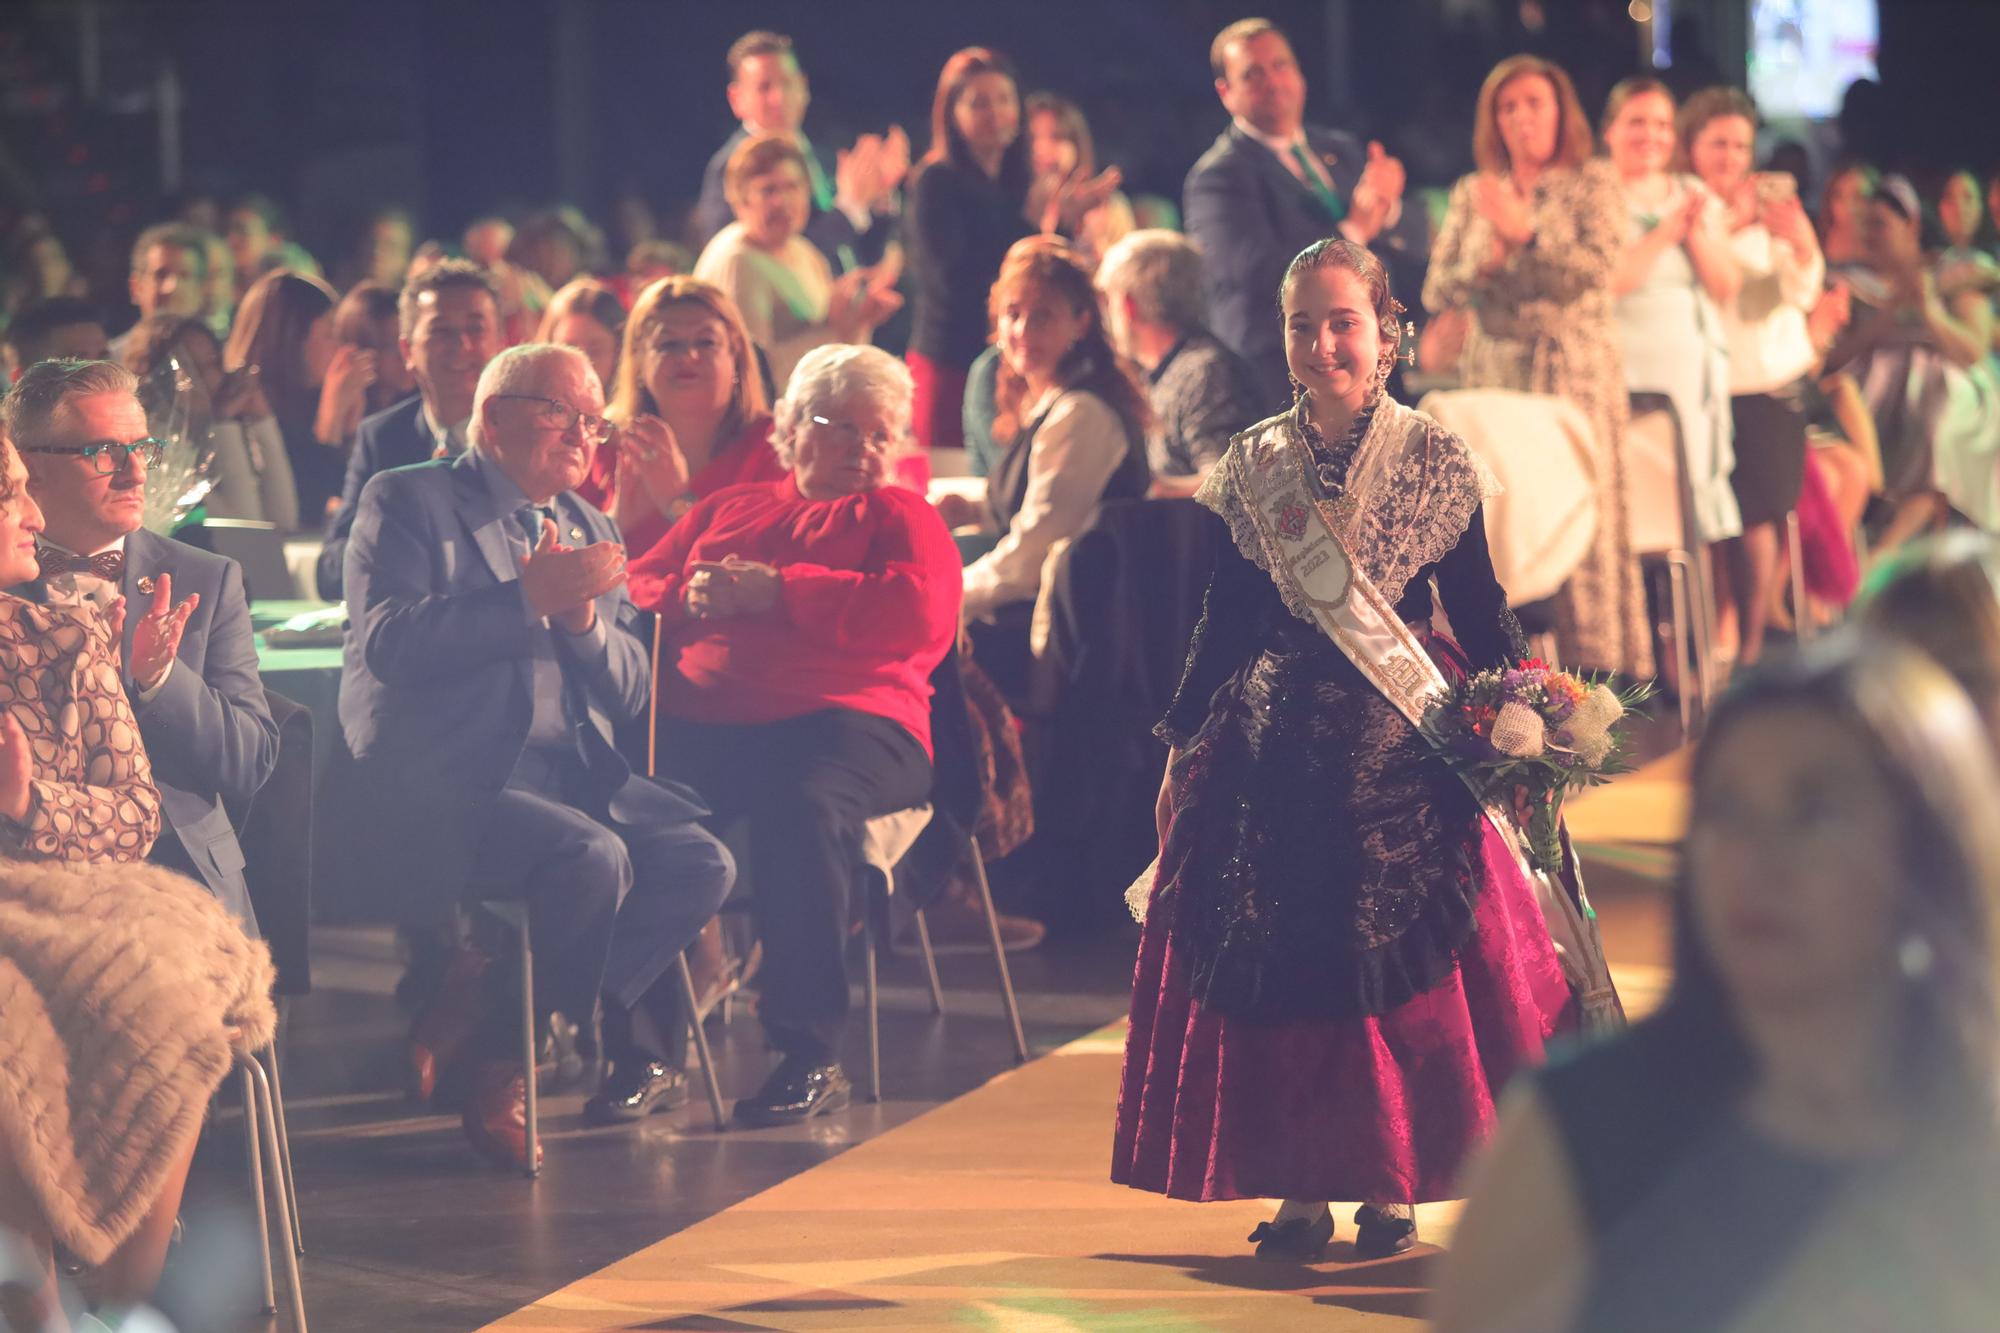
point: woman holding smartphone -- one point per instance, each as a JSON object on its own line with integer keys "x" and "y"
{"x": 1771, "y": 353}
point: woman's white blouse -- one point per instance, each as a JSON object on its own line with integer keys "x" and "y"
{"x": 1769, "y": 345}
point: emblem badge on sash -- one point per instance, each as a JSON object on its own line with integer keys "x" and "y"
{"x": 1292, "y": 521}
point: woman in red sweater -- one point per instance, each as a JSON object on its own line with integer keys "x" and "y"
{"x": 691, "y": 411}
{"x": 801, "y": 621}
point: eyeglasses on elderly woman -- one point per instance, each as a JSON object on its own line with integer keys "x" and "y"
{"x": 851, "y": 435}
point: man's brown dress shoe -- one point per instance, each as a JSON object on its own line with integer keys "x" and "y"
{"x": 496, "y": 1114}
{"x": 441, "y": 1031}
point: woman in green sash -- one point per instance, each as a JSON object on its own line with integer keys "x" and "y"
{"x": 1343, "y": 959}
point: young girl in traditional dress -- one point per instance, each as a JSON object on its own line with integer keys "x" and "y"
{"x": 1343, "y": 960}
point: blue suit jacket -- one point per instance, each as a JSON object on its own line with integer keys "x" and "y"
{"x": 209, "y": 731}
{"x": 828, "y": 229}
{"x": 394, "y": 437}
{"x": 435, "y": 688}
{"x": 1251, "y": 216}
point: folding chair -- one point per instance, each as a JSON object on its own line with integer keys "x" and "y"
{"x": 263, "y": 1121}
{"x": 884, "y": 842}
{"x": 1662, "y": 501}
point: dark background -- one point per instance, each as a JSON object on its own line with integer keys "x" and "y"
{"x": 452, "y": 108}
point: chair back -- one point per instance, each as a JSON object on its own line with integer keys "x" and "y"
{"x": 1654, "y": 487}
{"x": 1124, "y": 604}
{"x": 277, "y": 836}
{"x": 1545, "y": 453}
{"x": 957, "y": 787}
{"x": 256, "y": 546}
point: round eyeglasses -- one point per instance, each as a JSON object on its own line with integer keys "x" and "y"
{"x": 877, "y": 441}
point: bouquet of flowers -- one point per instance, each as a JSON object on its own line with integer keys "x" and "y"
{"x": 1536, "y": 728}
{"x": 182, "y": 479}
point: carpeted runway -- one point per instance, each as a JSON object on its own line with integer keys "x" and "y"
{"x": 994, "y": 1211}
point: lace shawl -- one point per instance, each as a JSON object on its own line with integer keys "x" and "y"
{"x": 1408, "y": 494}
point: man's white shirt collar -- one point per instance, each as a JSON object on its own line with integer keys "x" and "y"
{"x": 1282, "y": 147}
{"x": 453, "y": 436}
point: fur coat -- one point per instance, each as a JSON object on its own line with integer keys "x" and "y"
{"x": 122, "y": 988}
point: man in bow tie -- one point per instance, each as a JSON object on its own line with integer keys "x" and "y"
{"x": 491, "y": 651}
{"x": 190, "y": 666}
{"x": 1269, "y": 187}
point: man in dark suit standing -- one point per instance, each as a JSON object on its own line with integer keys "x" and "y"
{"x": 491, "y": 650}
{"x": 449, "y": 322}
{"x": 189, "y": 665}
{"x": 853, "y": 209}
{"x": 1269, "y": 187}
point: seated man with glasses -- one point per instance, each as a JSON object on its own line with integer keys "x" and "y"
{"x": 801, "y": 621}
{"x": 491, "y": 650}
{"x": 188, "y": 658}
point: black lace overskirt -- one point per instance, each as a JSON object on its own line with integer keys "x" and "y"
{"x": 1320, "y": 861}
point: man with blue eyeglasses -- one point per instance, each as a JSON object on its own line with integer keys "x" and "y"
{"x": 189, "y": 660}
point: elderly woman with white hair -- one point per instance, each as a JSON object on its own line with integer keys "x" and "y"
{"x": 801, "y": 620}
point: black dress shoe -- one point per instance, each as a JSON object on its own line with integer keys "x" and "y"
{"x": 797, "y": 1091}
{"x": 634, "y": 1091}
{"x": 1299, "y": 1241}
{"x": 1382, "y": 1234}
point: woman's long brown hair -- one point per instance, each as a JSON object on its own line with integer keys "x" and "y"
{"x": 1048, "y": 263}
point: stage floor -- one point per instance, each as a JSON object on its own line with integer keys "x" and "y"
{"x": 994, "y": 1211}
{"x": 974, "y": 1196}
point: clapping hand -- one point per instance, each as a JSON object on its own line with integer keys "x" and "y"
{"x": 957, "y": 511}
{"x": 157, "y": 638}
{"x": 725, "y": 589}
{"x": 650, "y": 455}
{"x": 1064, "y": 200}
{"x": 861, "y": 300}
{"x": 563, "y": 583}
{"x": 1745, "y": 204}
{"x": 1378, "y": 190}
{"x": 866, "y": 175}
{"x": 1785, "y": 218}
{"x": 16, "y": 769}
{"x": 894, "y": 164}
{"x": 1680, "y": 221}
{"x": 1500, "y": 201}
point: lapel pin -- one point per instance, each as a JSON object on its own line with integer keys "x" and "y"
{"x": 576, "y": 534}
{"x": 145, "y": 585}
